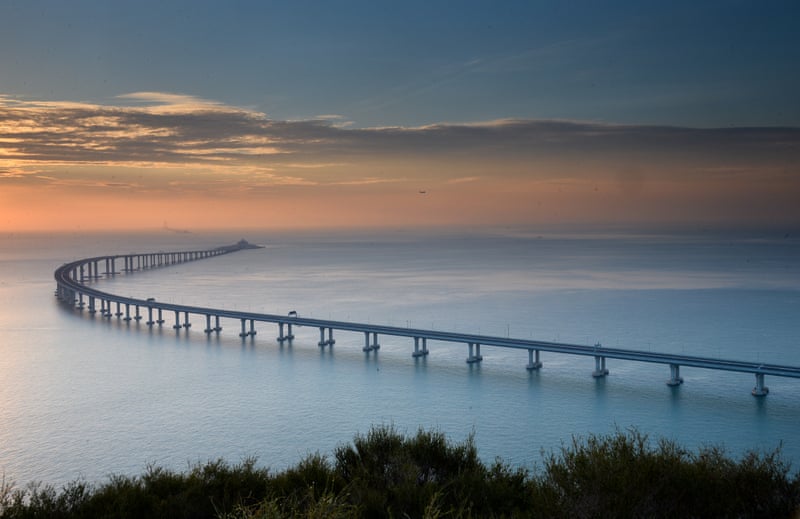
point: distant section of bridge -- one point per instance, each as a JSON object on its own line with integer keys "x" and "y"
{"x": 71, "y": 279}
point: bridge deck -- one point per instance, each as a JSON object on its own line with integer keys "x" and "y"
{"x": 71, "y": 285}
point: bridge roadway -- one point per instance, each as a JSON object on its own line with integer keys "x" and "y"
{"x": 72, "y": 289}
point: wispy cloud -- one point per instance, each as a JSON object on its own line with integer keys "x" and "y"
{"x": 176, "y": 132}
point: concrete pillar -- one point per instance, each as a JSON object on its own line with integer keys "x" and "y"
{"x": 599, "y": 363}
{"x": 127, "y": 312}
{"x": 244, "y": 333}
{"x": 150, "y": 321}
{"x": 476, "y": 355}
{"x": 186, "y": 323}
{"x": 252, "y": 328}
{"x": 177, "y": 324}
{"x": 289, "y": 336}
{"x": 760, "y": 389}
{"x": 208, "y": 329}
{"x": 367, "y": 346}
{"x": 675, "y": 378}
{"x": 217, "y": 327}
{"x": 599, "y": 367}
{"x": 92, "y": 309}
{"x": 137, "y": 317}
{"x": 160, "y": 319}
{"x": 533, "y": 360}
{"x": 417, "y": 351}
{"x": 118, "y": 312}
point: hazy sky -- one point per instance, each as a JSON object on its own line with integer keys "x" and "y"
{"x": 275, "y": 114}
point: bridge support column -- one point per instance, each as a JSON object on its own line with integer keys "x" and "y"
{"x": 369, "y": 347}
{"x": 281, "y": 336}
{"x": 474, "y": 356}
{"x": 137, "y": 317}
{"x": 424, "y": 351}
{"x": 208, "y": 329}
{"x": 160, "y": 319}
{"x": 177, "y": 324}
{"x": 186, "y": 323}
{"x": 118, "y": 313}
{"x": 533, "y": 360}
{"x": 81, "y": 304}
{"x": 599, "y": 364}
{"x": 325, "y": 342}
{"x": 760, "y": 389}
{"x": 150, "y": 321}
{"x": 217, "y": 327}
{"x": 252, "y": 328}
{"x": 244, "y": 332}
{"x": 127, "y": 313}
{"x": 107, "y": 311}
{"x": 599, "y": 367}
{"x": 92, "y": 309}
{"x": 675, "y": 378}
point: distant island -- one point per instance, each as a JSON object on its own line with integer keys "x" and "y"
{"x": 240, "y": 245}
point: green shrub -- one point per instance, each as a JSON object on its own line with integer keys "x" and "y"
{"x": 387, "y": 474}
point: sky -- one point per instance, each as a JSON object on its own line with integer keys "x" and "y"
{"x": 536, "y": 114}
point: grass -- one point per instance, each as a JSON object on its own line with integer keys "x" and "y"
{"x": 385, "y": 473}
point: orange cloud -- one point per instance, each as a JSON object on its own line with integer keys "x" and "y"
{"x": 198, "y": 163}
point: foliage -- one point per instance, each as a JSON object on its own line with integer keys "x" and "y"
{"x": 388, "y": 474}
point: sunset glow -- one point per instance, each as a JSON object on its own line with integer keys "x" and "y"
{"x": 197, "y": 157}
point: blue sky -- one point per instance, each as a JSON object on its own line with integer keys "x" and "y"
{"x": 214, "y": 114}
{"x": 411, "y": 63}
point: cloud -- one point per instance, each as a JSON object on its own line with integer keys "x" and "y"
{"x": 177, "y": 132}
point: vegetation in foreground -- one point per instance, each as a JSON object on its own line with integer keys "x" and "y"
{"x": 388, "y": 474}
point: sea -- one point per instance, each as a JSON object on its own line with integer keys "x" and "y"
{"x": 83, "y": 397}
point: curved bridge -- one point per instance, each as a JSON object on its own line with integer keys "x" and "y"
{"x": 71, "y": 289}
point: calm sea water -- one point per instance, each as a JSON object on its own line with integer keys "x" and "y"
{"x": 84, "y": 397}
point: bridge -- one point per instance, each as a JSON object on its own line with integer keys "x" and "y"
{"x": 72, "y": 289}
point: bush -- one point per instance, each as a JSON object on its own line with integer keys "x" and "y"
{"x": 387, "y": 474}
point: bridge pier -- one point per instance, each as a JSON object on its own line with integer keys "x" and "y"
{"x": 137, "y": 317}
{"x": 118, "y": 313}
{"x": 208, "y": 329}
{"x": 533, "y": 360}
{"x": 107, "y": 309}
{"x": 160, "y": 319}
{"x": 760, "y": 389}
{"x": 177, "y": 325}
{"x": 675, "y": 378}
{"x": 599, "y": 364}
{"x": 599, "y": 367}
{"x": 217, "y": 327}
{"x": 288, "y": 337}
{"x": 424, "y": 351}
{"x": 150, "y": 321}
{"x": 127, "y": 313}
{"x": 92, "y": 309}
{"x": 369, "y": 347}
{"x": 245, "y": 333}
{"x": 186, "y": 323}
{"x": 474, "y": 356}
{"x": 325, "y": 342}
